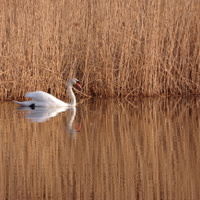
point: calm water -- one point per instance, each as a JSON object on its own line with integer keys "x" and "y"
{"x": 142, "y": 149}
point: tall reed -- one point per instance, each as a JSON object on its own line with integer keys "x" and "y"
{"x": 116, "y": 48}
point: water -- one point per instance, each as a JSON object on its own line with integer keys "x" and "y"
{"x": 141, "y": 149}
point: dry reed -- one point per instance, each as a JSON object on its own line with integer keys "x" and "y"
{"x": 116, "y": 48}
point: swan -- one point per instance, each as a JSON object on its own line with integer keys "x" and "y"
{"x": 43, "y": 99}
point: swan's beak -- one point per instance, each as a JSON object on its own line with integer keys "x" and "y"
{"x": 79, "y": 85}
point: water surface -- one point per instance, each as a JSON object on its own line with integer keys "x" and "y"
{"x": 141, "y": 149}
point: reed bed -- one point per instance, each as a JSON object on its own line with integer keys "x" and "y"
{"x": 116, "y": 48}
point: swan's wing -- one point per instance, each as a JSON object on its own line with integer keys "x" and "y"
{"x": 40, "y": 96}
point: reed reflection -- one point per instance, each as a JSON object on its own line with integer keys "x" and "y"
{"x": 146, "y": 151}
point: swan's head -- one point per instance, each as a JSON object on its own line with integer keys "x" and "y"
{"x": 74, "y": 81}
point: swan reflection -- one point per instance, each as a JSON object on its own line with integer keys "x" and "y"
{"x": 70, "y": 121}
{"x": 42, "y": 114}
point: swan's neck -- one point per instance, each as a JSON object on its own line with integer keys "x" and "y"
{"x": 71, "y": 95}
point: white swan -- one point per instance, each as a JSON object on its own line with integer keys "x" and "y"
{"x": 43, "y": 99}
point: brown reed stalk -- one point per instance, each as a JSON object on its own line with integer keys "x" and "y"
{"x": 116, "y": 48}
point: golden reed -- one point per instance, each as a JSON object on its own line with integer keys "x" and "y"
{"x": 116, "y": 48}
